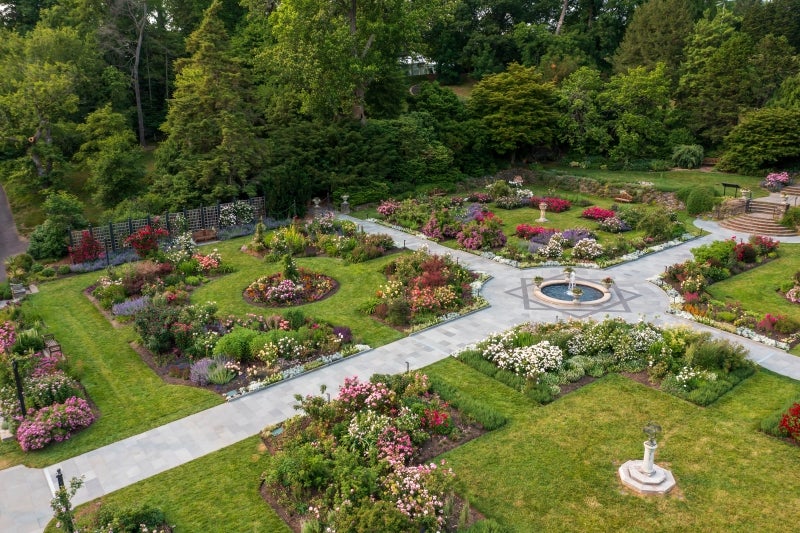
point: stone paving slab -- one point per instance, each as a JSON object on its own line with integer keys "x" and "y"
{"x": 25, "y": 493}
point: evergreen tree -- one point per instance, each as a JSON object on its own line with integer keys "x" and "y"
{"x": 657, "y": 33}
{"x": 213, "y": 151}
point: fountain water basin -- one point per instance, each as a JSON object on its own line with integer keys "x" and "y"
{"x": 561, "y": 293}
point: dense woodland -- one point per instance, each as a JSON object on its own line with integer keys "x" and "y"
{"x": 293, "y": 99}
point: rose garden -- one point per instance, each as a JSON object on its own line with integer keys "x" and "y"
{"x": 186, "y": 327}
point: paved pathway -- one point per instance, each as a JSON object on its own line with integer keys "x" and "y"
{"x": 10, "y": 242}
{"x": 25, "y": 493}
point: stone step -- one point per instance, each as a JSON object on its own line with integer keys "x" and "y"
{"x": 756, "y": 225}
{"x": 792, "y": 190}
{"x": 770, "y": 208}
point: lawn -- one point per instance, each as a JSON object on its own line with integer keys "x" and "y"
{"x": 756, "y": 289}
{"x": 218, "y": 492}
{"x": 357, "y": 283}
{"x": 130, "y": 398}
{"x": 671, "y": 180}
{"x": 553, "y": 468}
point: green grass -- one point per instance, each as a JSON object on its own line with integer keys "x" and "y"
{"x": 672, "y": 180}
{"x": 756, "y": 288}
{"x": 131, "y": 398}
{"x": 554, "y": 468}
{"x": 218, "y": 492}
{"x": 357, "y": 283}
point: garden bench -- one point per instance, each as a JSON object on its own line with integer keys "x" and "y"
{"x": 623, "y": 197}
{"x": 18, "y": 291}
{"x": 51, "y": 346}
{"x": 202, "y": 235}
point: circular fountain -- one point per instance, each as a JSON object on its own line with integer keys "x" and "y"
{"x": 571, "y": 292}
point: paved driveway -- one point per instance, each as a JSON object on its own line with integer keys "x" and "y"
{"x": 10, "y": 242}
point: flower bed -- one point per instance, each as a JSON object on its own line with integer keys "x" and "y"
{"x": 421, "y": 289}
{"x": 371, "y": 469}
{"x": 716, "y": 262}
{"x": 276, "y": 290}
{"x": 55, "y": 404}
{"x": 539, "y": 359}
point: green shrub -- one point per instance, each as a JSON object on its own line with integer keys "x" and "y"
{"x": 541, "y": 393}
{"x": 717, "y": 355}
{"x": 687, "y": 156}
{"x": 791, "y": 218}
{"x": 219, "y": 374}
{"x": 786, "y": 325}
{"x": 709, "y": 392}
{"x": 37, "y": 267}
{"x": 398, "y": 312}
{"x": 48, "y": 272}
{"x": 477, "y": 361}
{"x": 236, "y": 344}
{"x": 296, "y": 318}
{"x": 63, "y": 270}
{"x": 700, "y": 200}
{"x": 130, "y": 519}
{"x": 28, "y": 341}
{"x": 189, "y": 267}
{"x": 717, "y": 251}
{"x": 726, "y": 316}
{"x": 482, "y": 413}
{"x": 771, "y": 425}
{"x": 511, "y": 379}
{"x": 194, "y": 281}
{"x": 48, "y": 240}
{"x": 5, "y": 290}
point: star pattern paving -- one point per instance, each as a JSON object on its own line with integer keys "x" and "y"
{"x": 617, "y": 304}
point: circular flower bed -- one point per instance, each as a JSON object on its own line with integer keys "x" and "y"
{"x": 276, "y": 290}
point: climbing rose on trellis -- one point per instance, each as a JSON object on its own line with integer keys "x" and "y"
{"x": 145, "y": 241}
{"x": 88, "y": 249}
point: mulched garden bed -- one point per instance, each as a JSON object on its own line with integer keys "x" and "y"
{"x": 435, "y": 446}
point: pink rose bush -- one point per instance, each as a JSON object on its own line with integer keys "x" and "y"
{"x": 374, "y": 430}
{"x": 55, "y": 423}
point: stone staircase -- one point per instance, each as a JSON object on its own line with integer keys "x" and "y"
{"x": 763, "y": 217}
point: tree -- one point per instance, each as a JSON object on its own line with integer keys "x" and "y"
{"x": 112, "y": 156}
{"x": 112, "y": 35}
{"x": 766, "y": 138}
{"x": 656, "y": 33}
{"x": 581, "y": 124}
{"x": 49, "y": 240}
{"x": 213, "y": 151}
{"x": 788, "y": 94}
{"x": 727, "y": 73}
{"x": 639, "y": 108}
{"x": 38, "y": 83}
{"x": 517, "y": 108}
{"x": 328, "y": 52}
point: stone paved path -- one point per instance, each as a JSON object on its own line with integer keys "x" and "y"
{"x": 25, "y": 493}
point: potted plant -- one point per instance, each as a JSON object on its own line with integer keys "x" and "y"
{"x": 607, "y": 281}
{"x": 538, "y": 280}
{"x": 577, "y": 292}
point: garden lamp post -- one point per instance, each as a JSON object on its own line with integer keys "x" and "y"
{"x": 18, "y": 383}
